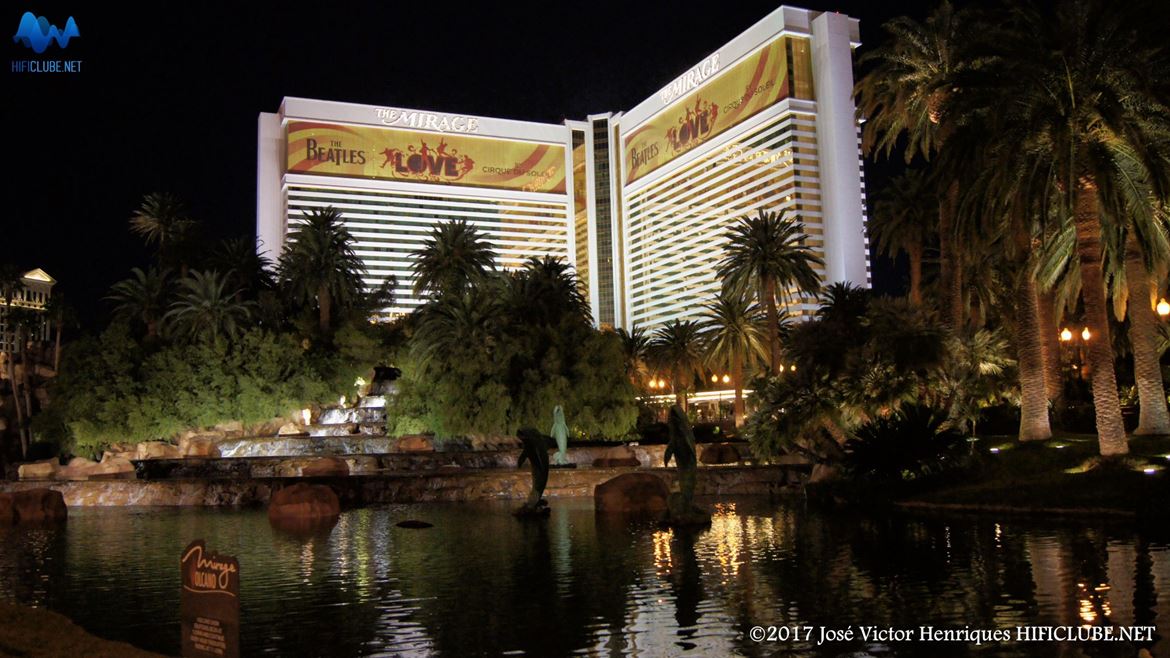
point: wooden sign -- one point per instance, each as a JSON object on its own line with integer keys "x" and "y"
{"x": 210, "y": 603}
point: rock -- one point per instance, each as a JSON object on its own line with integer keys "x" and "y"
{"x": 156, "y": 450}
{"x": 120, "y": 450}
{"x": 290, "y": 429}
{"x": 822, "y": 473}
{"x": 199, "y": 445}
{"x": 112, "y": 466}
{"x": 36, "y": 505}
{"x": 414, "y": 524}
{"x": 232, "y": 426}
{"x": 303, "y": 502}
{"x": 492, "y": 442}
{"x": 719, "y": 453}
{"x": 632, "y": 493}
{"x": 79, "y": 468}
{"x": 42, "y": 470}
{"x": 7, "y": 510}
{"x": 312, "y": 467}
{"x": 618, "y": 456}
{"x": 414, "y": 443}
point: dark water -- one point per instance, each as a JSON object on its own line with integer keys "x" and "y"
{"x": 481, "y": 582}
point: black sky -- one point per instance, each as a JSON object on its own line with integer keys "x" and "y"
{"x": 168, "y": 96}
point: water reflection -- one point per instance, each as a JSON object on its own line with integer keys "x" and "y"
{"x": 577, "y": 583}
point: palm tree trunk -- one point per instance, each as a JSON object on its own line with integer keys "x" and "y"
{"x": 1153, "y": 416}
{"x": 950, "y": 274}
{"x": 16, "y": 400}
{"x": 916, "y": 255}
{"x": 737, "y": 381}
{"x": 1106, "y": 404}
{"x": 324, "y": 302}
{"x": 773, "y": 319}
{"x": 1050, "y": 337}
{"x": 1034, "y": 424}
{"x": 57, "y": 347}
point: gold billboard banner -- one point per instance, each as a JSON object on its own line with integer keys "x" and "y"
{"x": 424, "y": 157}
{"x": 753, "y": 84}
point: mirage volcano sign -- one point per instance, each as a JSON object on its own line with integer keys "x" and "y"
{"x": 209, "y": 603}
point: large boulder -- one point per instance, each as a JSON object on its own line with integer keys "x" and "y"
{"x": 111, "y": 467}
{"x": 233, "y": 429}
{"x": 290, "y": 429}
{"x": 414, "y": 443}
{"x": 303, "y": 502}
{"x": 78, "y": 468}
{"x": 42, "y": 470}
{"x": 719, "y": 453}
{"x": 618, "y": 456}
{"x": 632, "y": 493}
{"x": 156, "y": 450}
{"x": 198, "y": 445}
{"x": 35, "y": 505}
{"x": 484, "y": 442}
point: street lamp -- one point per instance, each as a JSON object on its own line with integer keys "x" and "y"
{"x": 1163, "y": 307}
{"x": 726, "y": 378}
{"x": 1065, "y": 335}
{"x": 1085, "y": 335}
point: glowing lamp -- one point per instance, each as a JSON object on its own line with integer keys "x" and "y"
{"x": 714, "y": 379}
{"x": 1065, "y": 335}
{"x": 1085, "y": 335}
{"x": 726, "y": 378}
{"x": 1163, "y": 307}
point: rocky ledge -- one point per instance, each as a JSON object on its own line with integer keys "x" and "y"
{"x": 404, "y": 487}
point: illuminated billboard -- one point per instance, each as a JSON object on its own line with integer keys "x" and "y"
{"x": 424, "y": 157}
{"x": 722, "y": 100}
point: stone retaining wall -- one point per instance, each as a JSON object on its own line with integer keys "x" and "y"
{"x": 409, "y": 487}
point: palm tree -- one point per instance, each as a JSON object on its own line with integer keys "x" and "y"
{"x": 10, "y": 285}
{"x": 636, "y": 348}
{"x": 902, "y": 221}
{"x": 545, "y": 291}
{"x": 319, "y": 264}
{"x": 63, "y": 316}
{"x": 142, "y": 298}
{"x": 1081, "y": 83}
{"x": 915, "y": 76}
{"x": 448, "y": 324}
{"x": 677, "y": 347}
{"x": 767, "y": 254}
{"x": 162, "y": 220}
{"x": 244, "y": 268}
{"x": 1153, "y": 415}
{"x": 453, "y": 258}
{"x": 731, "y": 329}
{"x": 206, "y": 309}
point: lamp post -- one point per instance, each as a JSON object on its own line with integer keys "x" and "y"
{"x": 1067, "y": 337}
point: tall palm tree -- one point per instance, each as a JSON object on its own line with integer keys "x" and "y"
{"x": 731, "y": 329}
{"x": 1153, "y": 415}
{"x": 63, "y": 316}
{"x": 319, "y": 264}
{"x": 914, "y": 77}
{"x": 545, "y": 291}
{"x": 678, "y": 348}
{"x": 143, "y": 299}
{"x": 1082, "y": 86}
{"x": 636, "y": 348}
{"x": 903, "y": 221}
{"x": 768, "y": 255}
{"x": 206, "y": 309}
{"x": 448, "y": 324}
{"x": 162, "y": 220}
{"x": 453, "y": 257}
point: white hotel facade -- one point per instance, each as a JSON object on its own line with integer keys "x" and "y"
{"x": 638, "y": 201}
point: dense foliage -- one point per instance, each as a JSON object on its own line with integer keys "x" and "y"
{"x": 501, "y": 350}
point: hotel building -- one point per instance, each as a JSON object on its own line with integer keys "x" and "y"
{"x": 638, "y": 201}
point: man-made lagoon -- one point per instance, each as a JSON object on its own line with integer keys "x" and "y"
{"x": 482, "y": 583}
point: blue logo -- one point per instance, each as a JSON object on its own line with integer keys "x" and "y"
{"x": 35, "y": 32}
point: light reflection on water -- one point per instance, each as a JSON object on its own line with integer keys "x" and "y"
{"x": 481, "y": 582}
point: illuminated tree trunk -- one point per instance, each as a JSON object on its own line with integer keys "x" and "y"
{"x": 773, "y": 319}
{"x": 1153, "y": 416}
{"x": 1110, "y": 430}
{"x": 1034, "y": 425}
{"x": 1050, "y": 337}
{"x": 950, "y": 272}
{"x": 737, "y": 381}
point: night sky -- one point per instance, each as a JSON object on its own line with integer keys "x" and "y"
{"x": 167, "y": 99}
